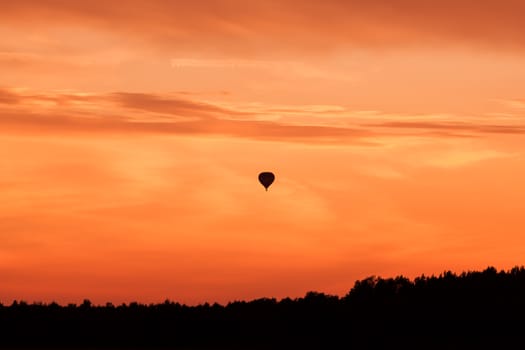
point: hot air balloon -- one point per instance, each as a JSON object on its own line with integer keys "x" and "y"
{"x": 266, "y": 179}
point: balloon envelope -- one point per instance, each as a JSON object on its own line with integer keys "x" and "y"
{"x": 266, "y": 179}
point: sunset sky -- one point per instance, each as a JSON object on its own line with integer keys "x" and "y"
{"x": 132, "y": 134}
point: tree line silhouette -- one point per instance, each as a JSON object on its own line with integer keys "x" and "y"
{"x": 475, "y": 309}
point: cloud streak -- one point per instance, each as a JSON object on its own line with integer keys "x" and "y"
{"x": 455, "y": 127}
{"x": 139, "y": 113}
{"x": 238, "y": 26}
{"x": 7, "y": 97}
{"x": 124, "y": 112}
{"x": 173, "y": 105}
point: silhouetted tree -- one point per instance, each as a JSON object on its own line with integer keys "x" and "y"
{"x": 473, "y": 309}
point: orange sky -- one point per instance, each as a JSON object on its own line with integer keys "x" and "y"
{"x": 131, "y": 139}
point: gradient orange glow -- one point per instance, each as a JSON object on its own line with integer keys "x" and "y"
{"x": 131, "y": 137}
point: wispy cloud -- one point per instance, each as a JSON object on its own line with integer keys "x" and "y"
{"x": 470, "y": 128}
{"x": 140, "y": 113}
{"x": 7, "y": 97}
{"x": 242, "y": 27}
{"x": 124, "y": 112}
{"x": 173, "y": 105}
{"x": 513, "y": 103}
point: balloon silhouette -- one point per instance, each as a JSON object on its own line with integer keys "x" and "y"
{"x": 266, "y": 179}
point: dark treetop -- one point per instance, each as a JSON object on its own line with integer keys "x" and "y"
{"x": 476, "y": 309}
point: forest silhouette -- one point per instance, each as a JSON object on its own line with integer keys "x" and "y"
{"x": 474, "y": 309}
